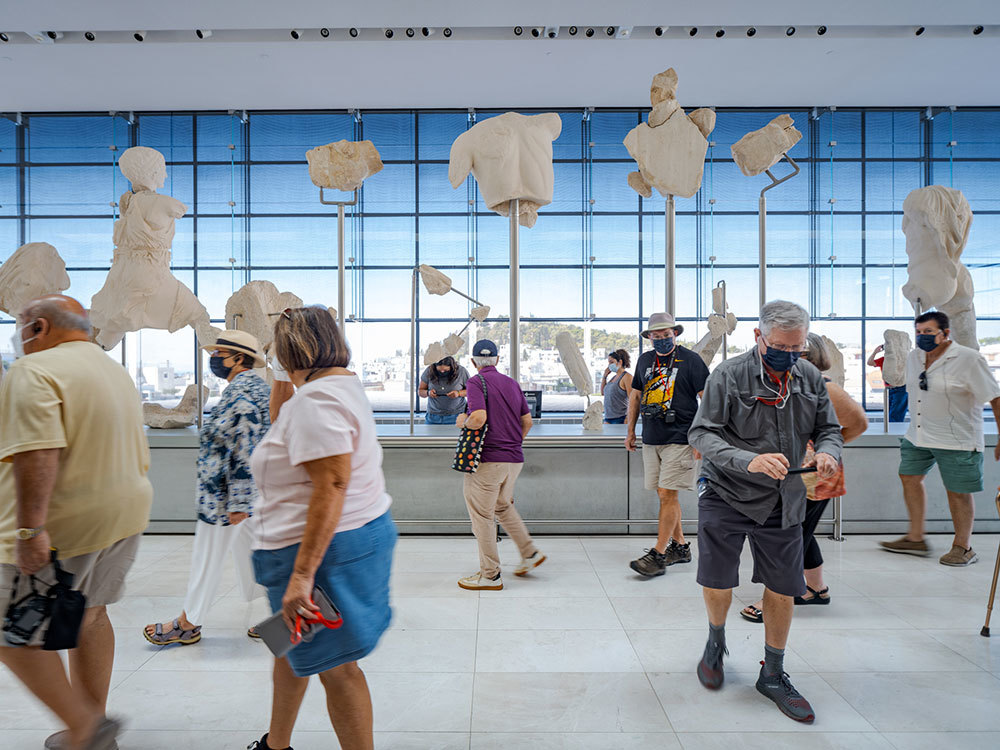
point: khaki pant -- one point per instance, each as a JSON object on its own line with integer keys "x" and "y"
{"x": 489, "y": 495}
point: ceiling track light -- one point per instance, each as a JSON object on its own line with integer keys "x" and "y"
{"x": 410, "y": 33}
{"x": 660, "y": 29}
{"x": 978, "y": 30}
{"x": 324, "y": 32}
{"x": 693, "y": 31}
{"x": 3, "y": 37}
{"x": 573, "y": 30}
{"x": 820, "y": 30}
{"x": 139, "y": 36}
{"x": 610, "y": 30}
{"x": 426, "y": 31}
{"x": 589, "y": 33}
{"x": 751, "y": 32}
{"x": 353, "y": 33}
{"x": 89, "y": 36}
{"x": 446, "y": 32}
{"x": 389, "y": 33}
{"x": 295, "y": 34}
{"x": 551, "y": 32}
{"x": 202, "y": 33}
{"x": 536, "y": 32}
{"x": 54, "y": 35}
{"x": 720, "y": 33}
{"x": 790, "y": 31}
{"x": 918, "y": 31}
{"x": 518, "y": 30}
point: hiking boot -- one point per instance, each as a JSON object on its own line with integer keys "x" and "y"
{"x": 677, "y": 553}
{"x": 479, "y": 582}
{"x": 778, "y": 687}
{"x": 905, "y": 547}
{"x": 653, "y": 563}
{"x": 529, "y": 563}
{"x": 959, "y": 557}
{"x": 261, "y": 744}
{"x": 710, "y": 673}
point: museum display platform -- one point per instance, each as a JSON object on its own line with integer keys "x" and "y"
{"x": 574, "y": 483}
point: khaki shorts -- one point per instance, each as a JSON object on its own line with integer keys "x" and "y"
{"x": 669, "y": 467}
{"x": 100, "y": 576}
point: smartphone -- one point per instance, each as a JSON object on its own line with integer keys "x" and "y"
{"x": 278, "y": 637}
{"x": 803, "y": 470}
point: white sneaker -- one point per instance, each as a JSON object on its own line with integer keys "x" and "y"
{"x": 479, "y": 582}
{"x": 531, "y": 563}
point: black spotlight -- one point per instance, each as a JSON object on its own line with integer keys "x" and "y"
{"x": 821, "y": 30}
{"x": 53, "y": 35}
{"x": 658, "y": 31}
{"x": 324, "y": 32}
{"x": 139, "y": 36}
{"x": 790, "y": 31}
{"x": 89, "y": 36}
{"x": 410, "y": 33}
{"x": 446, "y": 32}
{"x": 693, "y": 31}
{"x": 388, "y": 33}
{"x": 426, "y": 31}
{"x": 572, "y": 30}
{"x": 610, "y": 31}
{"x": 751, "y": 31}
{"x": 977, "y": 31}
{"x": 353, "y": 33}
{"x": 295, "y": 33}
{"x": 589, "y": 33}
{"x": 918, "y": 31}
{"x": 536, "y": 32}
{"x": 206, "y": 33}
{"x": 518, "y": 31}
{"x": 4, "y": 37}
{"x": 720, "y": 33}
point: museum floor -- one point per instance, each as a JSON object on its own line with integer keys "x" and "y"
{"x": 580, "y": 656}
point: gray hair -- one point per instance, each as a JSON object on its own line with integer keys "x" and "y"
{"x": 785, "y": 315}
{"x": 485, "y": 361}
{"x": 57, "y": 315}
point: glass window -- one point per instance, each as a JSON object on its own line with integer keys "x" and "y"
{"x": 438, "y": 130}
{"x": 171, "y": 135}
{"x": 61, "y": 139}
{"x": 287, "y": 137}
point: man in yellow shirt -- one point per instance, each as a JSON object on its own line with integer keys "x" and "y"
{"x": 73, "y": 464}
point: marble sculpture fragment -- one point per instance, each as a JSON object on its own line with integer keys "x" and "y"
{"x": 435, "y": 353}
{"x": 254, "y": 308}
{"x": 479, "y": 314}
{"x": 343, "y": 165}
{"x": 670, "y": 146}
{"x": 184, "y": 414}
{"x": 836, "y": 371}
{"x": 593, "y": 418}
{"x": 720, "y": 324}
{"x": 435, "y": 282}
{"x": 897, "y": 347}
{"x": 936, "y": 222}
{"x": 140, "y": 292}
{"x": 32, "y": 271}
{"x": 760, "y": 150}
{"x": 510, "y": 156}
{"x": 572, "y": 359}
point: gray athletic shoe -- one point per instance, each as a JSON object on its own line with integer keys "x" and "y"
{"x": 778, "y": 687}
{"x": 677, "y": 553}
{"x": 710, "y": 671}
{"x": 104, "y": 738}
{"x": 653, "y": 563}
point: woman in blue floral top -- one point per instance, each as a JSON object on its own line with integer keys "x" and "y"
{"x": 226, "y": 490}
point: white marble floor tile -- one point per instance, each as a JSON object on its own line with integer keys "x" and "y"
{"x": 435, "y": 612}
{"x": 553, "y": 702}
{"x": 556, "y": 651}
{"x": 939, "y": 740}
{"x": 301, "y": 740}
{"x": 550, "y": 582}
{"x": 832, "y": 740}
{"x": 923, "y": 701}
{"x": 851, "y": 613}
{"x": 529, "y": 613}
{"x": 877, "y": 651}
{"x": 680, "y": 650}
{"x": 692, "y": 708}
{"x": 574, "y": 741}
{"x": 984, "y": 652}
{"x": 433, "y": 584}
{"x": 673, "y": 613}
{"x": 895, "y": 584}
{"x": 438, "y": 651}
{"x": 225, "y": 650}
{"x": 620, "y": 582}
{"x": 933, "y": 612}
{"x": 421, "y": 702}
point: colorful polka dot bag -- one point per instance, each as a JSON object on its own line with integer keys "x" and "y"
{"x": 470, "y": 443}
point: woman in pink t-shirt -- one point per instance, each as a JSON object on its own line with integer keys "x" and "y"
{"x": 323, "y": 521}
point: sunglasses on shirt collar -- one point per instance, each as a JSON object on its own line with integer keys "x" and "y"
{"x": 923, "y": 381}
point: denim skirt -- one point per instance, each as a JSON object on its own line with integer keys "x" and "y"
{"x": 355, "y": 573}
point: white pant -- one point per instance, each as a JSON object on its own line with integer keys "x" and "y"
{"x": 211, "y": 543}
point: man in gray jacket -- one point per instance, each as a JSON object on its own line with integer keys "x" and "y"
{"x": 758, "y": 413}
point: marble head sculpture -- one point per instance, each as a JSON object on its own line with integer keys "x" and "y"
{"x": 936, "y": 222}
{"x": 511, "y": 157}
{"x": 254, "y": 307}
{"x": 32, "y": 271}
{"x": 343, "y": 165}
{"x": 140, "y": 292}
{"x": 759, "y": 150}
{"x": 670, "y": 146}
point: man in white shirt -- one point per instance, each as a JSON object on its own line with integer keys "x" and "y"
{"x": 947, "y": 384}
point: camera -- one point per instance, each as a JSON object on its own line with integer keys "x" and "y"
{"x": 24, "y": 617}
{"x": 660, "y": 412}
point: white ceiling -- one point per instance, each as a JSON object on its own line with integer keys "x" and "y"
{"x": 842, "y": 68}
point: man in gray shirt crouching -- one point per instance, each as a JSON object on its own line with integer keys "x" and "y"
{"x": 758, "y": 413}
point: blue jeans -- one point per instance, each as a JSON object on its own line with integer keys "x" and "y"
{"x": 615, "y": 420}
{"x": 898, "y": 403}
{"x": 440, "y": 418}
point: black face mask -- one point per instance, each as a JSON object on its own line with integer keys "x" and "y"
{"x": 218, "y": 368}
{"x": 446, "y": 375}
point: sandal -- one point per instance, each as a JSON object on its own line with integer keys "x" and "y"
{"x": 253, "y": 633}
{"x": 818, "y": 597}
{"x": 174, "y": 635}
{"x": 752, "y": 614}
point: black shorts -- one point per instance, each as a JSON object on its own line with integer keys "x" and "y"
{"x": 777, "y": 552}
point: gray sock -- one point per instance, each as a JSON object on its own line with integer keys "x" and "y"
{"x": 717, "y": 634}
{"x": 774, "y": 660}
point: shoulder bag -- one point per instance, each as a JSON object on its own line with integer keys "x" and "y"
{"x": 470, "y": 442}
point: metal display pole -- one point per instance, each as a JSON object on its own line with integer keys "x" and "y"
{"x": 198, "y": 377}
{"x": 515, "y": 291}
{"x": 762, "y": 224}
{"x": 838, "y": 520}
{"x": 341, "y": 255}
{"x": 885, "y": 407}
{"x": 725, "y": 336}
{"x": 670, "y": 267}
{"x": 413, "y": 347}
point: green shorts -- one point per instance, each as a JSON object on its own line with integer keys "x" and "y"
{"x": 961, "y": 471}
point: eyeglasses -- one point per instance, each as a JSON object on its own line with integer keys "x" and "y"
{"x": 923, "y": 380}
{"x": 789, "y": 349}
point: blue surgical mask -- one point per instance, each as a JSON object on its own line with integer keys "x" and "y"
{"x": 663, "y": 346}
{"x": 778, "y": 360}
{"x": 927, "y": 341}
{"x": 217, "y": 366}
{"x": 613, "y": 367}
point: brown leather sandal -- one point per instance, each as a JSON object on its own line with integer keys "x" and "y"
{"x": 174, "y": 635}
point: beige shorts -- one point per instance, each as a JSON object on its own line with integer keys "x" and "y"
{"x": 100, "y": 576}
{"x": 669, "y": 467}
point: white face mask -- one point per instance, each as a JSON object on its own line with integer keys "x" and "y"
{"x": 18, "y": 342}
{"x": 613, "y": 367}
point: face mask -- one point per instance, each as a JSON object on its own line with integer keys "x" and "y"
{"x": 663, "y": 346}
{"x": 18, "y": 343}
{"x": 778, "y": 360}
{"x": 613, "y": 367}
{"x": 927, "y": 341}
{"x": 215, "y": 364}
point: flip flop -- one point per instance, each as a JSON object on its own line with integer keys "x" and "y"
{"x": 818, "y": 597}
{"x": 174, "y": 635}
{"x": 752, "y": 614}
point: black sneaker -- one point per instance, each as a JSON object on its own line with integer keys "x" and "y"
{"x": 677, "y": 553}
{"x": 261, "y": 744}
{"x": 710, "y": 672}
{"x": 778, "y": 687}
{"x": 653, "y": 563}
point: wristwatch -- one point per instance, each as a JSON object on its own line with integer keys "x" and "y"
{"x": 24, "y": 534}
